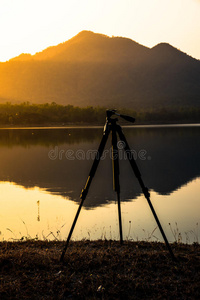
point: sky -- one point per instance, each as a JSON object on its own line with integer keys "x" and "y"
{"x": 29, "y": 26}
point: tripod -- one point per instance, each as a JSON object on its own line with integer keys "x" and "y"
{"x": 112, "y": 126}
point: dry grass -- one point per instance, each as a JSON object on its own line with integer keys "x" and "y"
{"x": 98, "y": 270}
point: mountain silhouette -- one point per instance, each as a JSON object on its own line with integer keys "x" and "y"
{"x": 94, "y": 69}
{"x": 90, "y": 47}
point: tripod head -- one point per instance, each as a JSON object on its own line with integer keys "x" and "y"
{"x": 112, "y": 112}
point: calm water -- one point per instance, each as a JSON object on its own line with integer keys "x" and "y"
{"x": 44, "y": 170}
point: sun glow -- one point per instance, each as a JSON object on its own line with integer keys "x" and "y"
{"x": 35, "y": 213}
{"x": 31, "y": 26}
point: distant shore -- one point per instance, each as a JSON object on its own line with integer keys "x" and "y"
{"x": 25, "y": 114}
{"x": 65, "y": 126}
{"x": 98, "y": 270}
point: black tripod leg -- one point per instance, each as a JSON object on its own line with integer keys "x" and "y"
{"x": 116, "y": 185}
{"x": 144, "y": 189}
{"x": 86, "y": 188}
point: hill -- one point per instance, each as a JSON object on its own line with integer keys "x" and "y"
{"x": 94, "y": 69}
{"x": 90, "y": 47}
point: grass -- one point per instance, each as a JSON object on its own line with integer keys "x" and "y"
{"x": 98, "y": 270}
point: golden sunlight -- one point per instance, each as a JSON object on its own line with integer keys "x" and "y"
{"x": 34, "y": 213}
{"x": 31, "y": 26}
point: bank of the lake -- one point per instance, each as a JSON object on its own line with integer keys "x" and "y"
{"x": 27, "y": 114}
{"x": 99, "y": 126}
{"x": 98, "y": 270}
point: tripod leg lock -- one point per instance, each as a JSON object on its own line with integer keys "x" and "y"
{"x": 83, "y": 194}
{"x": 85, "y": 190}
{"x": 146, "y": 192}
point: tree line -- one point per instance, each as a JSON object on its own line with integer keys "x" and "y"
{"x": 27, "y": 114}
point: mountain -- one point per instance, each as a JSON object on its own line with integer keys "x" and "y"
{"x": 90, "y": 47}
{"x": 94, "y": 69}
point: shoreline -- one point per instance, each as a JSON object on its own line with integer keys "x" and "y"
{"x": 98, "y": 270}
{"x": 74, "y": 126}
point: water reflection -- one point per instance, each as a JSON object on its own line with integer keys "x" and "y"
{"x": 34, "y": 213}
{"x": 168, "y": 158}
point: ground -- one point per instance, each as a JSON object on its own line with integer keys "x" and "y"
{"x": 98, "y": 270}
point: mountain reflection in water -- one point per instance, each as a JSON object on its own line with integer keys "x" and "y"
{"x": 59, "y": 160}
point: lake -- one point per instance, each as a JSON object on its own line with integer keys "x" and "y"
{"x": 44, "y": 170}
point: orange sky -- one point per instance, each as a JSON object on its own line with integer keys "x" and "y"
{"x": 29, "y": 26}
